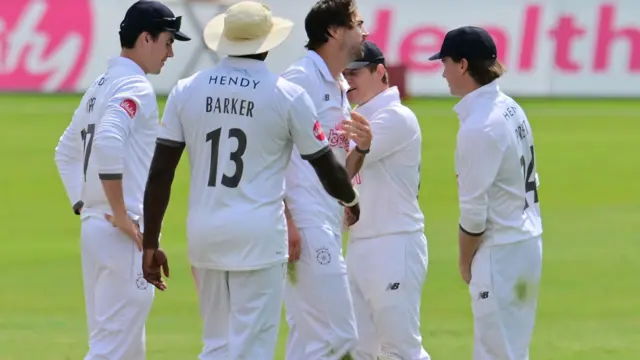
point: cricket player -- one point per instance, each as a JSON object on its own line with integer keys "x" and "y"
{"x": 387, "y": 253}
{"x": 238, "y": 122}
{"x": 500, "y": 225}
{"x": 103, "y": 159}
{"x": 318, "y": 304}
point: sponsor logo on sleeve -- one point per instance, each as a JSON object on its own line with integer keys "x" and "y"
{"x": 317, "y": 131}
{"x": 130, "y": 107}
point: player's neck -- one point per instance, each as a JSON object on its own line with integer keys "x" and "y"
{"x": 335, "y": 63}
{"x": 382, "y": 89}
{"x": 468, "y": 89}
{"x": 132, "y": 55}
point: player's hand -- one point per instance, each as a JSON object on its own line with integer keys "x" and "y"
{"x": 295, "y": 241}
{"x": 358, "y": 130}
{"x": 352, "y": 214}
{"x": 154, "y": 264}
{"x": 128, "y": 227}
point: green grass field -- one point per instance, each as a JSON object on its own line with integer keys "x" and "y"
{"x": 590, "y": 198}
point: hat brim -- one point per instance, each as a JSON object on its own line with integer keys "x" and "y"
{"x": 180, "y": 36}
{"x": 436, "y": 56}
{"x": 355, "y": 65}
{"x": 216, "y": 41}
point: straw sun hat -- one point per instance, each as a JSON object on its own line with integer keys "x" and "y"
{"x": 246, "y": 28}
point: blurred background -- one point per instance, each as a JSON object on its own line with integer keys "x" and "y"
{"x": 574, "y": 65}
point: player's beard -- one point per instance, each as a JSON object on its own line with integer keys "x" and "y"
{"x": 356, "y": 52}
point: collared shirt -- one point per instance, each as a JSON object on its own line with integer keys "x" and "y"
{"x": 239, "y": 122}
{"x": 496, "y": 168}
{"x": 111, "y": 135}
{"x": 309, "y": 203}
{"x": 389, "y": 180}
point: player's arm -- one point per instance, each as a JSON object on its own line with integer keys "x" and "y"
{"x": 287, "y": 214}
{"x": 126, "y": 105}
{"x": 68, "y": 158}
{"x": 479, "y": 156}
{"x": 169, "y": 147}
{"x": 313, "y": 146}
{"x": 391, "y": 133}
{"x": 334, "y": 177}
{"x": 361, "y": 133}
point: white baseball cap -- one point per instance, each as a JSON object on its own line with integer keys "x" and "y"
{"x": 246, "y": 28}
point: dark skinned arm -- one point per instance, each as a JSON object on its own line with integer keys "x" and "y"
{"x": 158, "y": 190}
{"x": 334, "y": 177}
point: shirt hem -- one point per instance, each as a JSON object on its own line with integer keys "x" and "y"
{"x": 353, "y": 237}
{"x": 502, "y": 242}
{"x": 209, "y": 266}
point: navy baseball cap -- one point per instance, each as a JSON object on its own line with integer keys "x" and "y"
{"x": 146, "y": 15}
{"x": 371, "y": 55}
{"x": 467, "y": 42}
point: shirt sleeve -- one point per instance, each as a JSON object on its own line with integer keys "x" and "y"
{"x": 305, "y": 128}
{"x": 171, "y": 131}
{"x": 301, "y": 78}
{"x": 389, "y": 135}
{"x": 69, "y": 159}
{"x": 479, "y": 156}
{"x": 132, "y": 101}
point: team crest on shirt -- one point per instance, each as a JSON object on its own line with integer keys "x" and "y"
{"x": 323, "y": 256}
{"x": 317, "y": 131}
{"x": 141, "y": 283}
{"x": 130, "y": 107}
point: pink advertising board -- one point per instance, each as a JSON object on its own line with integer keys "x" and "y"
{"x": 550, "y": 48}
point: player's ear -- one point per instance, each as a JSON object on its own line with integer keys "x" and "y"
{"x": 147, "y": 37}
{"x": 380, "y": 71}
{"x": 464, "y": 65}
{"x": 144, "y": 37}
{"x": 333, "y": 31}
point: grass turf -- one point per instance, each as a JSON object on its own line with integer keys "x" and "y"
{"x": 590, "y": 299}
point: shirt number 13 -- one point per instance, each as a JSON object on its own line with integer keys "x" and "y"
{"x": 235, "y": 156}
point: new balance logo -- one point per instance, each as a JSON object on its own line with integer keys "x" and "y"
{"x": 483, "y": 295}
{"x": 393, "y": 286}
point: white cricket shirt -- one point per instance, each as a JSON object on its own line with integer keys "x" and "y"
{"x": 239, "y": 122}
{"x": 112, "y": 135}
{"x": 389, "y": 180}
{"x": 496, "y": 168}
{"x": 308, "y": 202}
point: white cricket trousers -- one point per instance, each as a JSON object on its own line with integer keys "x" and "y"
{"x": 386, "y": 275}
{"x": 504, "y": 295}
{"x": 117, "y": 297}
{"x": 319, "y": 307}
{"x": 241, "y": 312}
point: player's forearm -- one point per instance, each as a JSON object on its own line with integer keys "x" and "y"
{"x": 158, "y": 192}
{"x": 473, "y": 211}
{"x": 68, "y": 159}
{"x": 287, "y": 213}
{"x": 288, "y": 216}
{"x": 156, "y": 200}
{"x": 334, "y": 177}
{"x": 354, "y": 162}
{"x": 468, "y": 245}
{"x": 115, "y": 195}
{"x": 109, "y": 144}
{"x": 71, "y": 175}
